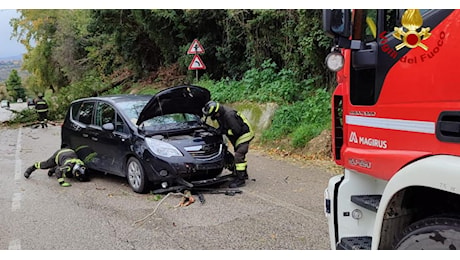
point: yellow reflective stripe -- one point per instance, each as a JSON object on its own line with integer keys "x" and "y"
{"x": 81, "y": 147}
{"x": 73, "y": 160}
{"x": 90, "y": 157}
{"x": 37, "y": 165}
{"x": 62, "y": 151}
{"x": 229, "y": 132}
{"x": 66, "y": 168}
{"x": 214, "y": 108}
{"x": 61, "y": 180}
{"x": 247, "y": 136}
{"x": 241, "y": 166}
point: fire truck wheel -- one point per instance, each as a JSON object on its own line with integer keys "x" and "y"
{"x": 434, "y": 233}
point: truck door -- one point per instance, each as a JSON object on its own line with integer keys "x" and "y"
{"x": 380, "y": 50}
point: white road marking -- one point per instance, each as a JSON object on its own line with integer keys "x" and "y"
{"x": 15, "y": 245}
{"x": 16, "y": 204}
{"x": 17, "y": 159}
{"x": 17, "y": 197}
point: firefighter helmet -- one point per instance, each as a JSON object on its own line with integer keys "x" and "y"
{"x": 211, "y": 108}
{"x": 78, "y": 170}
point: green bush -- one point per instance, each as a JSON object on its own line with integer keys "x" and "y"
{"x": 304, "y": 133}
{"x": 24, "y": 116}
{"x": 301, "y": 121}
{"x": 304, "y": 108}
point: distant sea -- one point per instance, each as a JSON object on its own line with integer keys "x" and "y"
{"x": 16, "y": 57}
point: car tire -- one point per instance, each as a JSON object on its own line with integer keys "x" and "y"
{"x": 433, "y": 233}
{"x": 136, "y": 176}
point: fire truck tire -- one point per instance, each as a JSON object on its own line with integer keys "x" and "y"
{"x": 433, "y": 233}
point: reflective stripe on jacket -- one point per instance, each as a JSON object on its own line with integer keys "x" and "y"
{"x": 235, "y": 126}
{"x": 41, "y": 106}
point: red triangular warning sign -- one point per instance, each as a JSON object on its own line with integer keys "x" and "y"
{"x": 195, "y": 48}
{"x": 196, "y": 64}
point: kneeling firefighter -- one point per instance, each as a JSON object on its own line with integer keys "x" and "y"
{"x": 238, "y": 130}
{"x": 64, "y": 163}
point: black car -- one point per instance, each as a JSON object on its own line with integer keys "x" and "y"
{"x": 152, "y": 140}
{"x": 30, "y": 102}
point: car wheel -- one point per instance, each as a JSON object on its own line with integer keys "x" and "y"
{"x": 442, "y": 233}
{"x": 136, "y": 176}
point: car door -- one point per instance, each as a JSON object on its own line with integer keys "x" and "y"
{"x": 78, "y": 135}
{"x": 110, "y": 138}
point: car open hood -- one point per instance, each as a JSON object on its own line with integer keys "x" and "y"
{"x": 180, "y": 99}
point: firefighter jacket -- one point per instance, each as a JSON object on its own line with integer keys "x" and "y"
{"x": 234, "y": 125}
{"x": 41, "y": 105}
{"x": 66, "y": 158}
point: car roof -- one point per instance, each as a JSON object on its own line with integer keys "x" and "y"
{"x": 117, "y": 98}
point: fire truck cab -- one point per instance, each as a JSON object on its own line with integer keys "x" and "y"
{"x": 396, "y": 129}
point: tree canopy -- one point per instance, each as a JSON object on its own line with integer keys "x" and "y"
{"x": 65, "y": 46}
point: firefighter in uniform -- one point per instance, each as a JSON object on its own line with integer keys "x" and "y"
{"x": 64, "y": 163}
{"x": 41, "y": 106}
{"x": 238, "y": 130}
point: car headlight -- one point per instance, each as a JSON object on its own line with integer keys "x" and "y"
{"x": 162, "y": 148}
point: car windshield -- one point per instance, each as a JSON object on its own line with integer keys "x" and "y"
{"x": 177, "y": 121}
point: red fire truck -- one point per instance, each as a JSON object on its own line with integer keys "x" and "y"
{"x": 396, "y": 129}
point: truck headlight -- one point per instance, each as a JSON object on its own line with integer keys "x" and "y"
{"x": 334, "y": 61}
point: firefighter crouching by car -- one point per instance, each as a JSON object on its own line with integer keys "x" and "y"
{"x": 236, "y": 127}
{"x": 64, "y": 163}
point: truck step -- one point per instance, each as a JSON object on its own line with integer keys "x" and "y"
{"x": 370, "y": 202}
{"x": 355, "y": 243}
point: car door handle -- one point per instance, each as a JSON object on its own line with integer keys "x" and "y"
{"x": 85, "y": 135}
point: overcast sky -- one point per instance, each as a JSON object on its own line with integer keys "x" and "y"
{"x": 8, "y": 47}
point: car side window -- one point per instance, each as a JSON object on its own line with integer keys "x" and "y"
{"x": 85, "y": 113}
{"x": 105, "y": 113}
{"x": 75, "y": 110}
{"x": 119, "y": 124}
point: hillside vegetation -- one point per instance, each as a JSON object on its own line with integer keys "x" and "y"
{"x": 255, "y": 56}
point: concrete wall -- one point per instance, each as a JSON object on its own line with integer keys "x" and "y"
{"x": 259, "y": 115}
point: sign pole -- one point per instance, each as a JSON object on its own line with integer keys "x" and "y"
{"x": 196, "y": 64}
{"x": 196, "y": 71}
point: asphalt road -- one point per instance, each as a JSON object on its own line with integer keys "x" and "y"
{"x": 281, "y": 210}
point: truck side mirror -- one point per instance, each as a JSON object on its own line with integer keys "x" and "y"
{"x": 336, "y": 22}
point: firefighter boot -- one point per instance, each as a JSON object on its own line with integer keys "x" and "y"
{"x": 29, "y": 171}
{"x": 239, "y": 181}
{"x": 63, "y": 183}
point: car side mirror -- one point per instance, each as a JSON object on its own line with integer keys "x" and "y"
{"x": 108, "y": 127}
